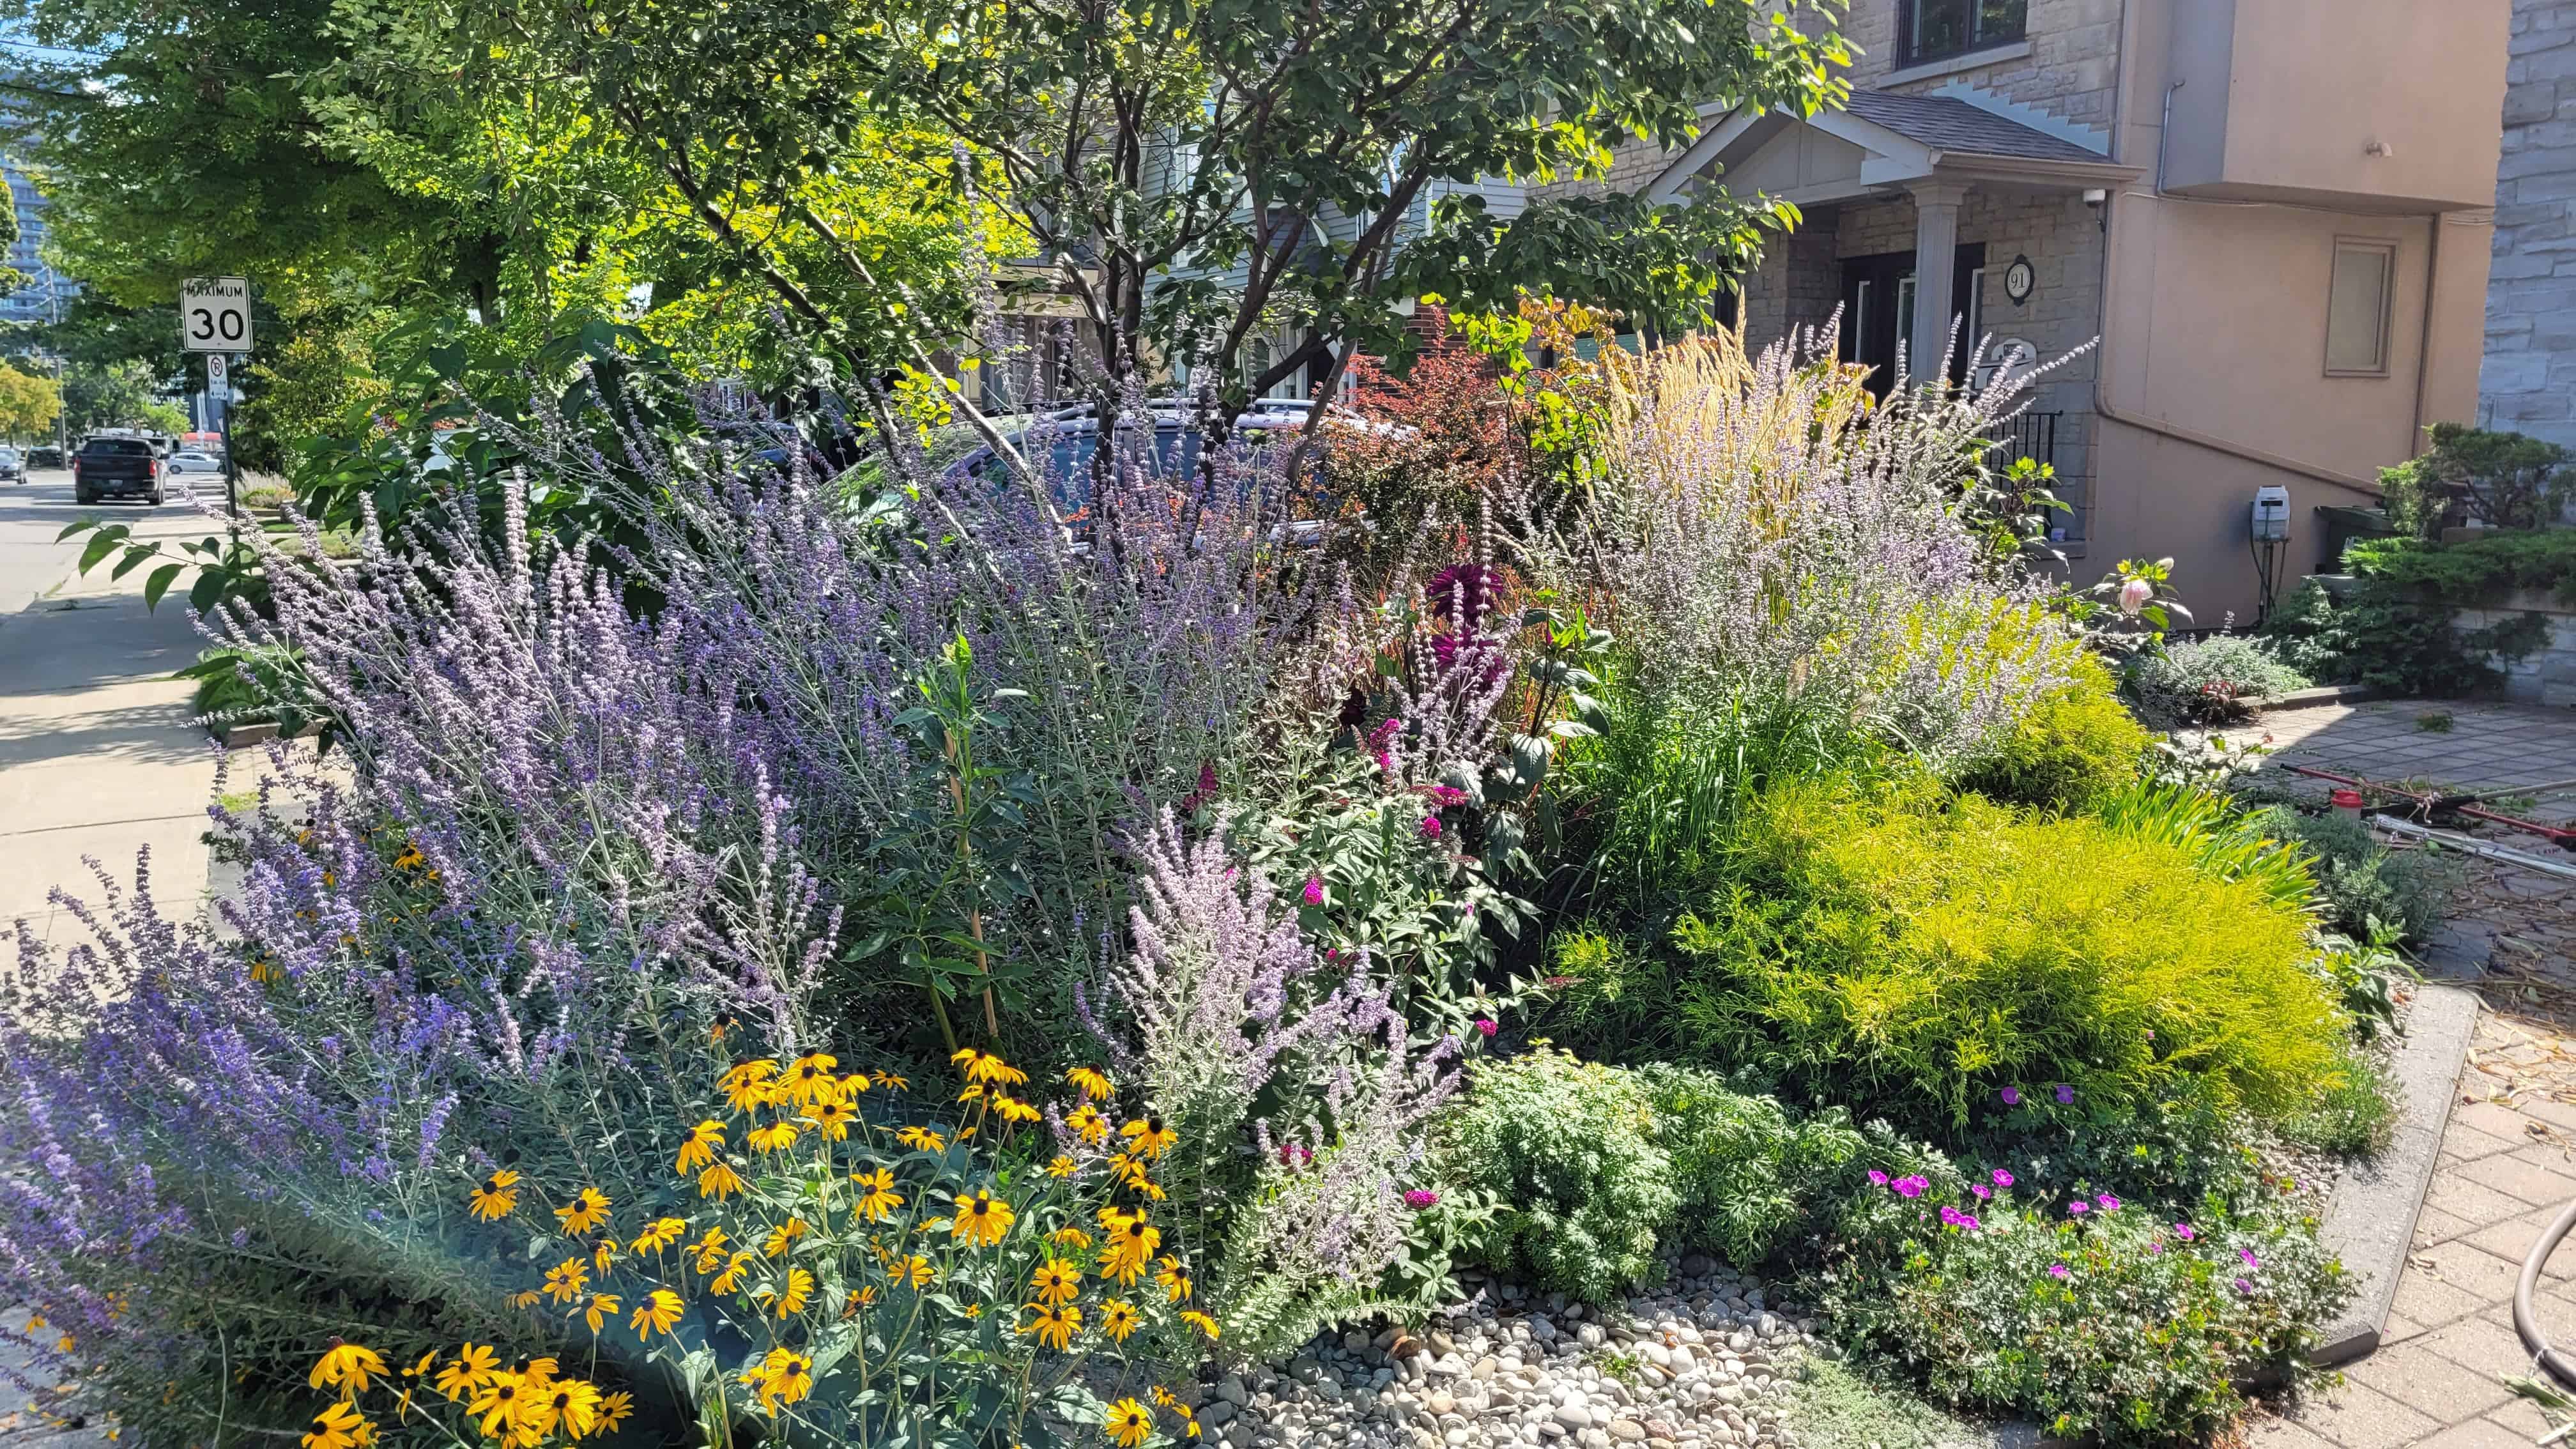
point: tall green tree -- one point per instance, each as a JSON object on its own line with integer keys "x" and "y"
{"x": 119, "y": 395}
{"x": 1196, "y": 172}
{"x": 28, "y": 404}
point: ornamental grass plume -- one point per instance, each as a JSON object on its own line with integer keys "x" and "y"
{"x": 1769, "y": 542}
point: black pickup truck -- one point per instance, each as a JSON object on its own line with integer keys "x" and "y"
{"x": 108, "y": 466}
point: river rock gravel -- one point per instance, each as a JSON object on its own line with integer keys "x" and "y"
{"x": 1705, "y": 1362}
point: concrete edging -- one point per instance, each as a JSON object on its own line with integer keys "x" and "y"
{"x": 2308, "y": 698}
{"x": 2370, "y": 1223}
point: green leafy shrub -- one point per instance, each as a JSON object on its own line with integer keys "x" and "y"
{"x": 2393, "y": 631}
{"x": 2076, "y": 745}
{"x": 2204, "y": 680}
{"x": 2364, "y": 885}
{"x": 2123, "y": 1324}
{"x": 2473, "y": 571}
{"x": 1751, "y": 1176}
{"x": 1570, "y": 1147}
{"x": 1900, "y": 958}
{"x": 2508, "y": 480}
{"x": 2186, "y": 1148}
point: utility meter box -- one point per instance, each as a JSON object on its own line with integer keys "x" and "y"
{"x": 2271, "y": 513}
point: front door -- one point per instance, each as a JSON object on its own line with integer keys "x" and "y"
{"x": 1878, "y": 309}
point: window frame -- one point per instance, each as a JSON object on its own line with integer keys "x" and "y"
{"x": 1909, "y": 53}
{"x": 2386, "y": 249}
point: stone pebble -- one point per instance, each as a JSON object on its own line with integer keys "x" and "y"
{"x": 1705, "y": 1362}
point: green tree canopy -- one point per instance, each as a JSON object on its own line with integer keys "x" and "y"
{"x": 28, "y": 404}
{"x": 119, "y": 395}
{"x": 1194, "y": 172}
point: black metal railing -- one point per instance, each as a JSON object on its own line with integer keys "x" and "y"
{"x": 2029, "y": 434}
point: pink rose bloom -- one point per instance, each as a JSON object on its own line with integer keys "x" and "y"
{"x": 1485, "y": 1025}
{"x": 2134, "y": 595}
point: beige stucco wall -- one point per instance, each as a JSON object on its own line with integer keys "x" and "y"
{"x": 2213, "y": 310}
{"x": 2286, "y": 99}
{"x": 2215, "y": 329}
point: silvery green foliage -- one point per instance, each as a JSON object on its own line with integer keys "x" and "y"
{"x": 1230, "y": 1009}
{"x": 2198, "y": 681}
{"x": 1776, "y": 543}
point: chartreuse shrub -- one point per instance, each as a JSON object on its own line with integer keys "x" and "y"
{"x": 1903, "y": 955}
{"x": 1570, "y": 1148}
{"x": 2077, "y": 744}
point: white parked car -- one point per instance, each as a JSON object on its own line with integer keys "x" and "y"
{"x": 196, "y": 463}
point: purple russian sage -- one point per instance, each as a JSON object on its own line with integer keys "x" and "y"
{"x": 494, "y": 929}
{"x": 1225, "y": 1005}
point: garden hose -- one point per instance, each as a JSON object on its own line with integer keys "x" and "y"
{"x": 2557, "y": 1365}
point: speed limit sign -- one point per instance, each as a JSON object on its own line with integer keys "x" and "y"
{"x": 214, "y": 314}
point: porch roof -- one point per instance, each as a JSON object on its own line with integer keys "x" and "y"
{"x": 1881, "y": 143}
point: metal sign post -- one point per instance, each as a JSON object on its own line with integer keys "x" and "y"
{"x": 214, "y": 318}
{"x": 219, "y": 400}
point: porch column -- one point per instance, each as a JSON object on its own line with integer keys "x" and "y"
{"x": 1936, "y": 248}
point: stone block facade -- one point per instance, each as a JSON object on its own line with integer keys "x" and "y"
{"x": 2546, "y": 675}
{"x": 2527, "y": 381}
{"x": 2068, "y": 67}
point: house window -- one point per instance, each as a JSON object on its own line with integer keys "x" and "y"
{"x": 1938, "y": 28}
{"x": 2357, "y": 308}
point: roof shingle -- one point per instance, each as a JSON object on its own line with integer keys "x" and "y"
{"x": 1947, "y": 123}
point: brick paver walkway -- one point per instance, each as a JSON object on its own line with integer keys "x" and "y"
{"x": 2486, "y": 747}
{"x": 2509, "y": 1154}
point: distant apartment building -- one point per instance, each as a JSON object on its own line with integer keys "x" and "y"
{"x": 46, "y": 291}
{"x": 2268, "y": 218}
{"x": 2528, "y": 384}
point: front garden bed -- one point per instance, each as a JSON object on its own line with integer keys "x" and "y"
{"x": 875, "y": 960}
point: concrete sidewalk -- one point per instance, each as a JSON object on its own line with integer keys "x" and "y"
{"x": 97, "y": 755}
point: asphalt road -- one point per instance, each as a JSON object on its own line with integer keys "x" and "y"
{"x": 98, "y": 758}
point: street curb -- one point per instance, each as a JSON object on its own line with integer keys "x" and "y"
{"x": 2370, "y": 1223}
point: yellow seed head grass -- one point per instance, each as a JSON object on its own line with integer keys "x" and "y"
{"x": 1713, "y": 410}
